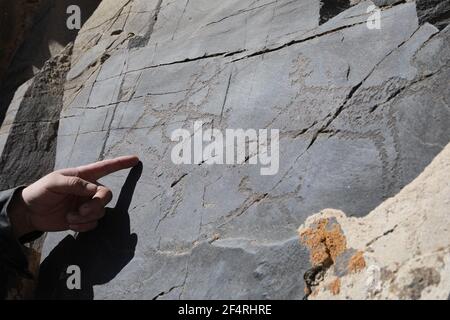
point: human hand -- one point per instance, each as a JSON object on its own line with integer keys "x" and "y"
{"x": 66, "y": 199}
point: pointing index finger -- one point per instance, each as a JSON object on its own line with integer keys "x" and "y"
{"x": 100, "y": 169}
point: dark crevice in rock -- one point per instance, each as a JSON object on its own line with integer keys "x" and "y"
{"x": 108, "y": 133}
{"x": 226, "y": 97}
{"x": 173, "y": 184}
{"x": 335, "y": 115}
{"x": 179, "y": 20}
{"x": 254, "y": 54}
{"x": 313, "y": 277}
{"x": 250, "y": 202}
{"x": 400, "y": 90}
{"x": 298, "y": 41}
{"x": 348, "y": 99}
{"x": 166, "y": 292}
{"x": 234, "y": 52}
{"x": 331, "y": 8}
{"x": 116, "y": 32}
{"x": 205, "y": 56}
{"x": 31, "y": 143}
{"x": 383, "y": 235}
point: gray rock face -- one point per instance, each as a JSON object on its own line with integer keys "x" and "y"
{"x": 360, "y": 111}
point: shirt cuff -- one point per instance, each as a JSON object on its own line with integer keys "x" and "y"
{"x": 12, "y": 252}
{"x": 5, "y": 223}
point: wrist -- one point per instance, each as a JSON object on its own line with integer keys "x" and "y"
{"x": 19, "y": 215}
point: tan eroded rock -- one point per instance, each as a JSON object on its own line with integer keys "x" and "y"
{"x": 401, "y": 250}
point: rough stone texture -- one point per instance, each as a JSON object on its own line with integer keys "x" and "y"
{"x": 31, "y": 132}
{"x": 403, "y": 245}
{"x": 11, "y": 113}
{"x": 349, "y": 103}
{"x": 354, "y": 107}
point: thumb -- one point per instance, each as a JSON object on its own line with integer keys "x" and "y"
{"x": 73, "y": 185}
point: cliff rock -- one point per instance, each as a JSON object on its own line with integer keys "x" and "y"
{"x": 401, "y": 250}
{"x": 361, "y": 113}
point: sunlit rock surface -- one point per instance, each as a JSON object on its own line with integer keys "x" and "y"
{"x": 361, "y": 113}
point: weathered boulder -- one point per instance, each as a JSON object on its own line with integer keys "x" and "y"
{"x": 361, "y": 112}
{"x": 401, "y": 250}
{"x": 36, "y": 31}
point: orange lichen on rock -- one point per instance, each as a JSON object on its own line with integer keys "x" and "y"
{"x": 357, "y": 262}
{"x": 335, "y": 286}
{"x": 325, "y": 242}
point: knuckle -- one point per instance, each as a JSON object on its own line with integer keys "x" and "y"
{"x": 74, "y": 181}
{"x": 57, "y": 172}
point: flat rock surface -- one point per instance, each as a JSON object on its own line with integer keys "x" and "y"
{"x": 361, "y": 112}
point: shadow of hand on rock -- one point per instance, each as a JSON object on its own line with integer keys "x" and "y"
{"x": 100, "y": 254}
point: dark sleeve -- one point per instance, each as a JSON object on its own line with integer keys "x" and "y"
{"x": 13, "y": 261}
